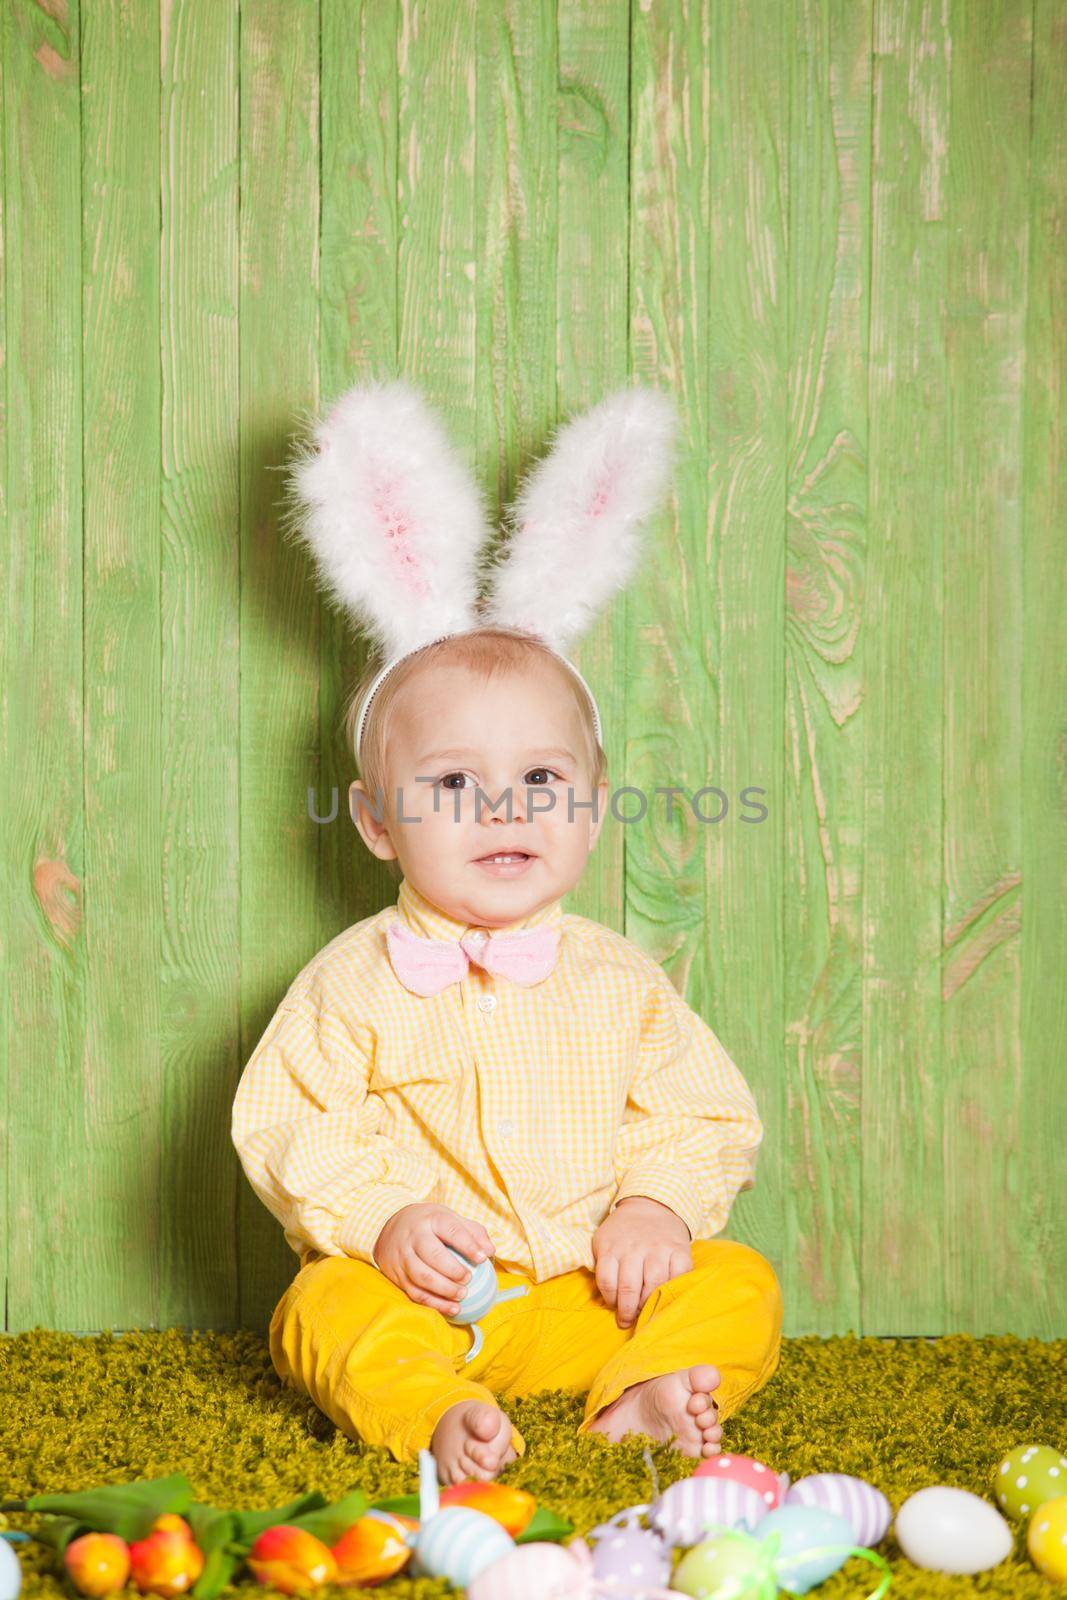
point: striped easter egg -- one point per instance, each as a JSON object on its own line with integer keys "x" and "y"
{"x": 476, "y": 1297}
{"x": 746, "y": 1469}
{"x": 864, "y": 1507}
{"x": 458, "y": 1543}
{"x": 688, "y": 1509}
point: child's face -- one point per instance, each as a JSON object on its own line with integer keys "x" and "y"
{"x": 518, "y": 734}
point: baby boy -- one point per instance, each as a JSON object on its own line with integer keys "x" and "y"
{"x": 475, "y": 1068}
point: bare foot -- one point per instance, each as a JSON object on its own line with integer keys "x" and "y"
{"x": 677, "y": 1405}
{"x": 472, "y": 1439}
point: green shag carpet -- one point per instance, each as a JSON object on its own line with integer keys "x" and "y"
{"x": 76, "y": 1412}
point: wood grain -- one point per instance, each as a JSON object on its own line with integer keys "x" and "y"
{"x": 835, "y": 231}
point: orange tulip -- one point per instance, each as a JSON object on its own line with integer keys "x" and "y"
{"x": 373, "y": 1548}
{"x": 165, "y": 1563}
{"x": 170, "y": 1522}
{"x": 512, "y": 1508}
{"x": 97, "y": 1563}
{"x": 291, "y": 1559}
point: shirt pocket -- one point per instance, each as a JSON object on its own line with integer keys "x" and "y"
{"x": 414, "y": 1052}
{"x": 583, "y": 1079}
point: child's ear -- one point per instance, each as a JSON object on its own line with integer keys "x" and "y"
{"x": 370, "y": 816}
{"x": 601, "y": 808}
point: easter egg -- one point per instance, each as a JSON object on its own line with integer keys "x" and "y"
{"x": 1046, "y": 1539}
{"x": 10, "y": 1572}
{"x": 1027, "y": 1477}
{"x": 458, "y": 1543}
{"x": 864, "y": 1508}
{"x": 527, "y": 1572}
{"x": 478, "y": 1294}
{"x": 688, "y": 1509}
{"x": 951, "y": 1530}
{"x": 728, "y": 1566}
{"x": 631, "y": 1557}
{"x": 802, "y": 1531}
{"x": 747, "y": 1470}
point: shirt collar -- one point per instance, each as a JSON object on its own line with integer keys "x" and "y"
{"x": 427, "y": 919}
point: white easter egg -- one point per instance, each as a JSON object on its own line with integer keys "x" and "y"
{"x": 10, "y": 1572}
{"x": 951, "y": 1530}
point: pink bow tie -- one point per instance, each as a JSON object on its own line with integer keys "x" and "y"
{"x": 425, "y": 966}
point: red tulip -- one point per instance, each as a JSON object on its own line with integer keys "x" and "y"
{"x": 166, "y": 1563}
{"x": 512, "y": 1508}
{"x": 291, "y": 1559}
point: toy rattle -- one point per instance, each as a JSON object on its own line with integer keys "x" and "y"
{"x": 481, "y": 1294}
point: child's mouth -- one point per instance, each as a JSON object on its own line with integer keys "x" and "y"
{"x": 505, "y": 863}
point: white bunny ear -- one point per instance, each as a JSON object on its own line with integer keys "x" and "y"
{"x": 392, "y": 514}
{"x": 575, "y": 522}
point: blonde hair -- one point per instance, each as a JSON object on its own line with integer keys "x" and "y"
{"x": 484, "y": 650}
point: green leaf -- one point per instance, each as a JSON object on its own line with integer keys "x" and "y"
{"x": 57, "y": 1531}
{"x": 250, "y": 1524}
{"x": 219, "y": 1567}
{"x": 332, "y": 1521}
{"x": 210, "y": 1527}
{"x": 544, "y": 1524}
{"x": 128, "y": 1509}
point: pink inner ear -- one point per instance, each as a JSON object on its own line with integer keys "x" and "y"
{"x": 604, "y": 490}
{"x": 396, "y": 527}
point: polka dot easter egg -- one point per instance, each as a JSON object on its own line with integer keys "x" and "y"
{"x": 628, "y": 1555}
{"x": 864, "y": 1508}
{"x": 771, "y": 1486}
{"x": 1046, "y": 1539}
{"x": 1027, "y": 1477}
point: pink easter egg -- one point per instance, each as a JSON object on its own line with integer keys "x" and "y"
{"x": 863, "y": 1506}
{"x": 771, "y": 1486}
{"x": 535, "y": 1571}
{"x": 693, "y": 1506}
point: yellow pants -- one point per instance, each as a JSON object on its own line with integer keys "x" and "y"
{"x": 385, "y": 1368}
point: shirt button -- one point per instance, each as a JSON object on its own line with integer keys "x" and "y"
{"x": 478, "y": 937}
{"x": 505, "y": 1127}
{"x": 487, "y": 1003}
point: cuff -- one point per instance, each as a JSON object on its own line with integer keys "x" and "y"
{"x": 358, "y": 1233}
{"x": 666, "y": 1185}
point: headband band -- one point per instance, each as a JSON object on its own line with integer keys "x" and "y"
{"x": 396, "y": 660}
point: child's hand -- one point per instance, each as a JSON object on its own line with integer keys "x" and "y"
{"x": 639, "y": 1246}
{"x": 410, "y": 1250}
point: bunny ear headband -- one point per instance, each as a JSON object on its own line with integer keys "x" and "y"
{"x": 396, "y": 523}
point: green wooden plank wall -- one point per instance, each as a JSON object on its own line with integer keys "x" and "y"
{"x": 836, "y": 230}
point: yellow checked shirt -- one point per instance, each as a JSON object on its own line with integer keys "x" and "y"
{"x": 532, "y": 1110}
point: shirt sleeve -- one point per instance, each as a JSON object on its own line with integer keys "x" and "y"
{"x": 307, "y": 1134}
{"x": 690, "y": 1129}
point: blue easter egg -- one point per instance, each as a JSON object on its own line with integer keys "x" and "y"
{"x": 477, "y": 1296}
{"x": 804, "y": 1528}
{"x": 458, "y": 1543}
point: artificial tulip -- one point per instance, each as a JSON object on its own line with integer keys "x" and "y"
{"x": 512, "y": 1508}
{"x": 374, "y": 1548}
{"x": 97, "y": 1563}
{"x": 166, "y": 1563}
{"x": 291, "y": 1559}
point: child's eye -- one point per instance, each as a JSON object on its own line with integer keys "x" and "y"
{"x": 536, "y": 784}
{"x": 444, "y": 783}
